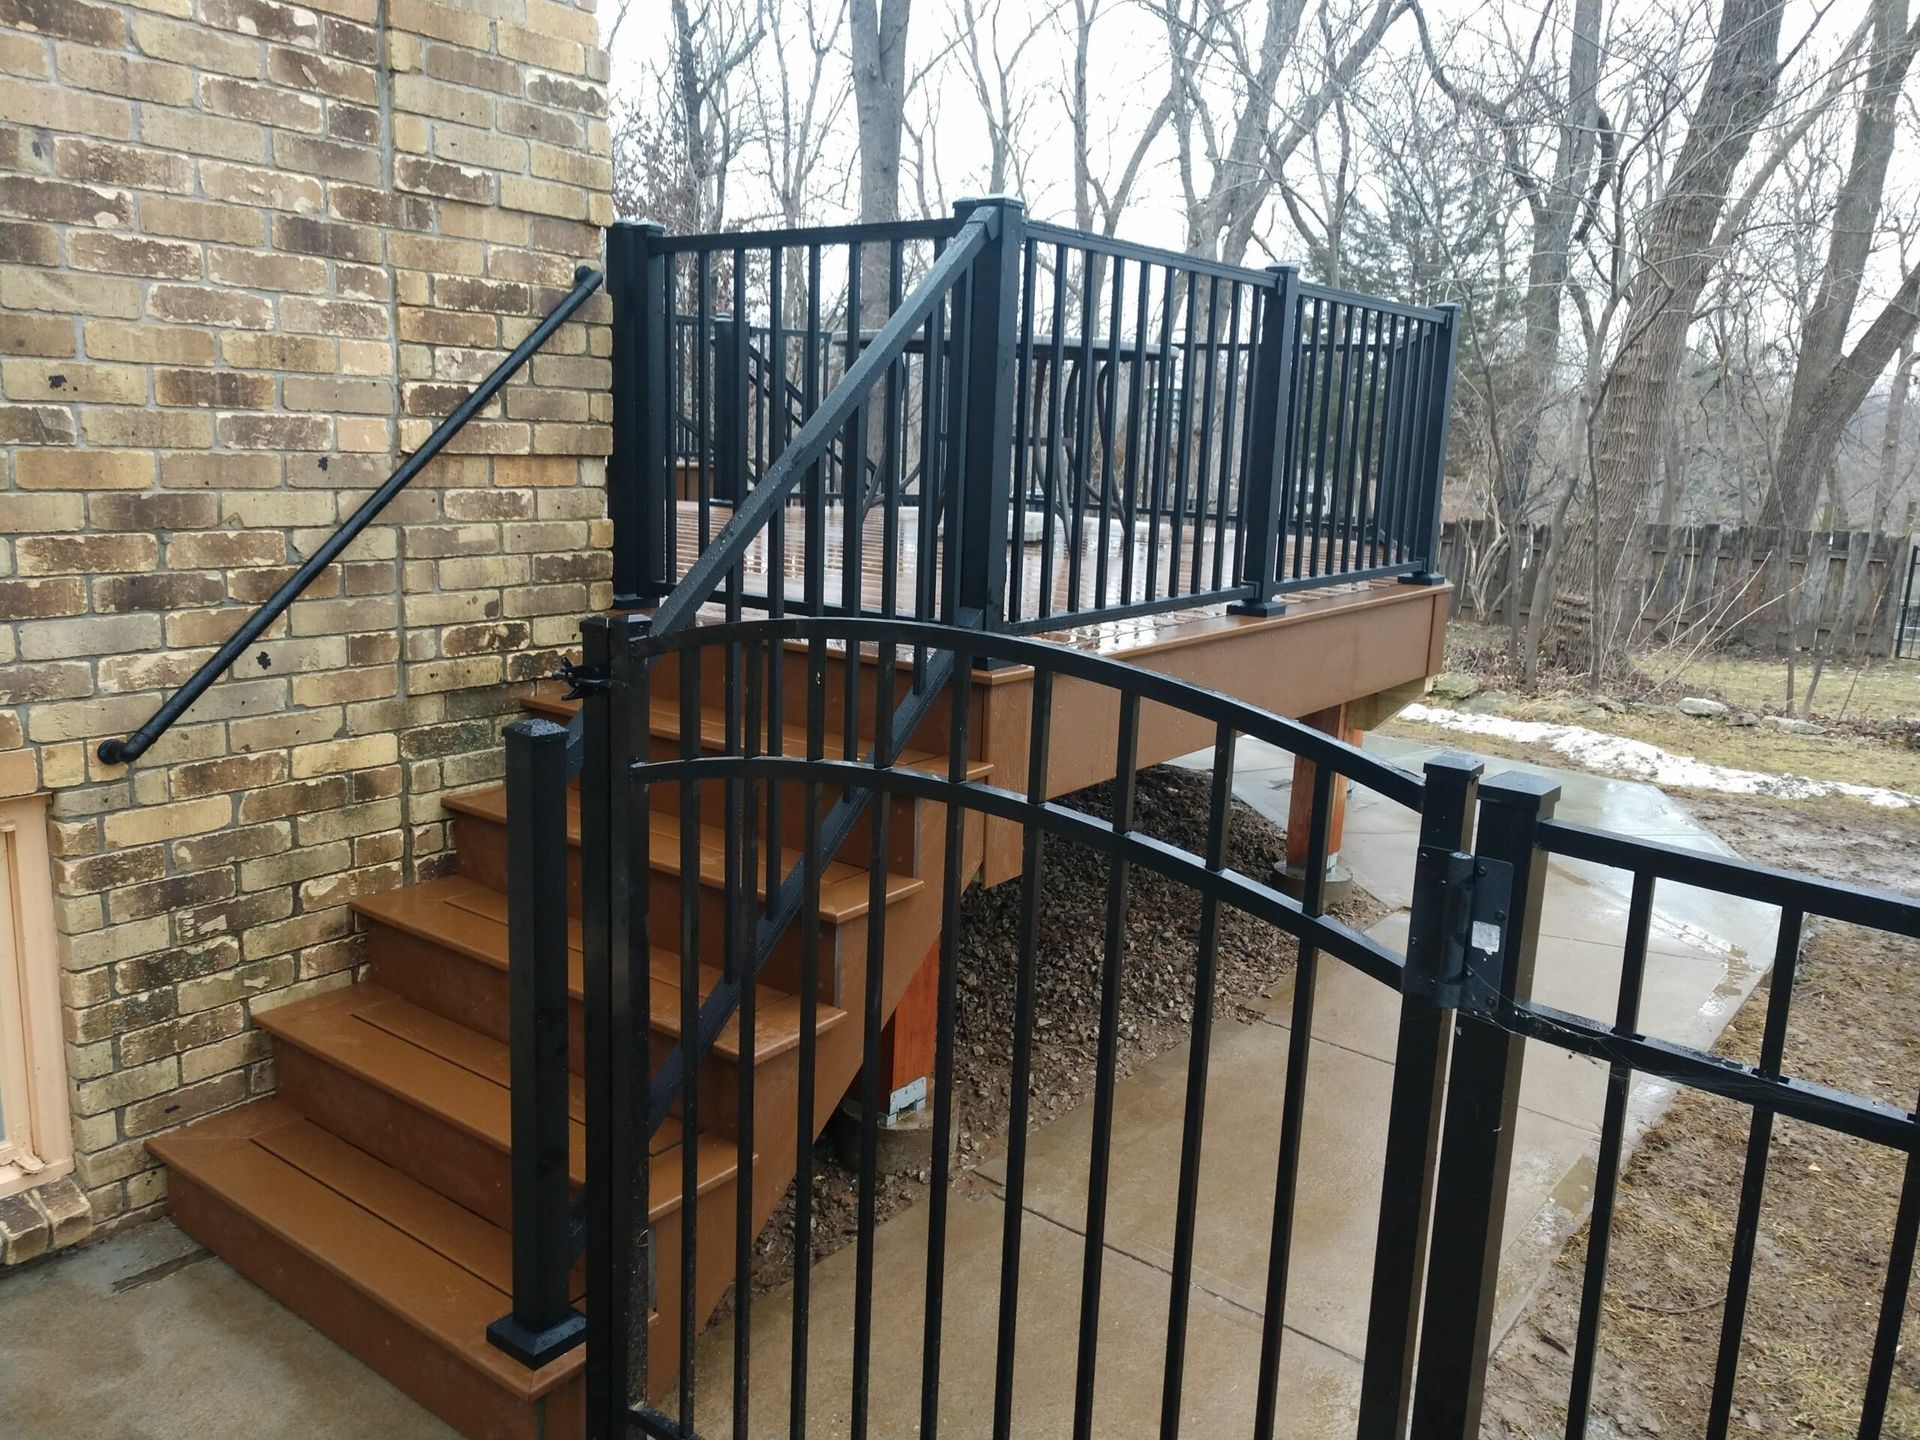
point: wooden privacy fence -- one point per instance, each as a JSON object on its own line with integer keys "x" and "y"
{"x": 1711, "y": 582}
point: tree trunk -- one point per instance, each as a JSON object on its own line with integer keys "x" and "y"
{"x": 1891, "y": 437}
{"x": 879, "y": 33}
{"x": 1632, "y": 419}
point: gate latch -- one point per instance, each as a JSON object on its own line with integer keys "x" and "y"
{"x": 1457, "y": 935}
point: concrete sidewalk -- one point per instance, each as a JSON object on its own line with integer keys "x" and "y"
{"x": 1707, "y": 953}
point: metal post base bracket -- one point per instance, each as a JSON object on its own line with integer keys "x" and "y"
{"x": 534, "y": 1348}
{"x": 1458, "y": 931}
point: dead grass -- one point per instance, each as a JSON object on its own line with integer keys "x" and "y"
{"x": 1829, "y": 1208}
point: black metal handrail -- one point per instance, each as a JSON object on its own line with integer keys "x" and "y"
{"x": 586, "y": 280}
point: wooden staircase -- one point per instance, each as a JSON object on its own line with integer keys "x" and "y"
{"x": 371, "y": 1193}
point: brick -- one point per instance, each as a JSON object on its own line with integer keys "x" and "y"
{"x": 153, "y": 512}
{"x": 28, "y": 684}
{"x": 205, "y": 305}
{"x": 306, "y": 236}
{"x": 150, "y": 344}
{"x": 418, "y": 95}
{"x": 124, "y": 1087}
{"x": 367, "y": 397}
{"x": 115, "y": 593}
{"x": 216, "y": 389}
{"x": 333, "y": 757}
{"x": 534, "y": 123}
{"x": 88, "y": 635}
{"x": 465, "y": 146}
{"x": 479, "y": 72}
{"x": 365, "y": 206}
{"x": 262, "y": 104}
{"x": 79, "y": 20}
{"x": 549, "y": 52}
{"x": 276, "y": 432}
{"x": 72, "y": 112}
{"x": 263, "y": 270}
{"x": 25, "y": 243}
{"x": 82, "y": 470}
{"x": 249, "y": 185}
{"x": 196, "y": 46}
{"x": 567, "y": 21}
{"x": 134, "y": 255}
{"x": 124, "y": 75}
{"x": 353, "y": 124}
{"x": 204, "y": 135}
{"x": 276, "y": 351}
{"x": 37, "y": 335}
{"x": 69, "y": 380}
{"x": 333, "y": 317}
{"x": 23, "y": 55}
{"x": 242, "y": 982}
{"x": 36, "y": 425}
{"x": 441, "y": 22}
{"x": 323, "y": 76}
{"x": 263, "y": 18}
{"x": 149, "y": 823}
{"x": 543, "y": 197}
{"x": 141, "y": 427}
{"x": 561, "y": 94}
{"x": 570, "y": 167}
{"x": 222, "y": 549}
{"x": 219, "y": 472}
{"x": 40, "y": 514}
{"x": 201, "y": 220}
{"x": 452, "y": 182}
{"x": 331, "y": 158}
{"x": 64, "y": 202}
{"x": 96, "y": 162}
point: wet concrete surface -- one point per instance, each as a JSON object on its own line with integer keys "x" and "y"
{"x": 145, "y": 1336}
{"x": 1706, "y": 954}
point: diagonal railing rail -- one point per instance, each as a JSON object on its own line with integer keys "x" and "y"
{"x": 118, "y": 751}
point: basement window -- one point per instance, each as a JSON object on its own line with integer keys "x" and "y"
{"x": 36, "y": 1142}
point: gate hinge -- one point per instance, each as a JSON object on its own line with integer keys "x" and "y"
{"x": 1457, "y": 936}
{"x": 580, "y": 679}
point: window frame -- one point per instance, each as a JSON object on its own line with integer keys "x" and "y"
{"x": 36, "y": 1133}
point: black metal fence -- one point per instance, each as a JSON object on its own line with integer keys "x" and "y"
{"x": 1465, "y": 1015}
{"x": 1906, "y": 625}
{"x": 1128, "y": 430}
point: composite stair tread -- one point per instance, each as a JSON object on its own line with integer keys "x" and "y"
{"x": 442, "y": 1269}
{"x": 463, "y": 915}
{"x": 664, "y": 723}
{"x": 843, "y": 887}
{"x": 457, "y": 1074}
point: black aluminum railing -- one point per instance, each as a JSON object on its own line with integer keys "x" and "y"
{"x": 586, "y": 280}
{"x": 1466, "y": 1013}
{"x": 1178, "y": 432}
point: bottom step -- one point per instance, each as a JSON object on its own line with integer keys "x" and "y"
{"x": 403, "y": 1278}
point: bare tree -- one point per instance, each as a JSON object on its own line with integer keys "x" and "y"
{"x": 879, "y": 34}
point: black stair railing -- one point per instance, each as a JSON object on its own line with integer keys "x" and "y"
{"x": 586, "y": 280}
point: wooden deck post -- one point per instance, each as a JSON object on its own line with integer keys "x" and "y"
{"x": 1331, "y": 721}
{"x": 906, "y": 1044}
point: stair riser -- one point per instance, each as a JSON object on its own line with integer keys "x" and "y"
{"x": 931, "y": 734}
{"x": 482, "y": 850}
{"x": 474, "y": 994}
{"x": 466, "y": 1398}
{"x": 902, "y": 853}
{"x": 414, "y": 1141}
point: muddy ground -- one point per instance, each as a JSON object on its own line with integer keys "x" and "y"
{"x": 1829, "y": 1210}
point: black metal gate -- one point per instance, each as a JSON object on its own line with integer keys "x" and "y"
{"x": 1464, "y": 1015}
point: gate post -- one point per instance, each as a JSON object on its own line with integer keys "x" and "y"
{"x": 637, "y": 470}
{"x": 986, "y": 422}
{"x": 1272, "y": 421}
{"x": 1413, "y": 1131}
{"x": 1476, "y": 1155}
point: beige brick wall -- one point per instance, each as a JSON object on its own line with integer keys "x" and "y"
{"x": 249, "y": 252}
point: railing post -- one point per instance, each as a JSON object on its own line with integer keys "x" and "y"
{"x": 1432, "y": 475}
{"x": 1269, "y": 422}
{"x": 543, "y": 1323}
{"x": 639, "y": 469}
{"x": 729, "y": 410}
{"x": 1422, "y": 1047}
{"x": 1476, "y": 1147}
{"x": 984, "y": 486}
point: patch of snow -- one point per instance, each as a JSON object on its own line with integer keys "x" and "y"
{"x": 1637, "y": 760}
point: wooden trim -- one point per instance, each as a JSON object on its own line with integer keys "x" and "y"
{"x": 39, "y": 1138}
